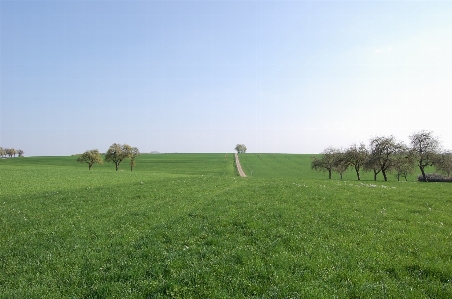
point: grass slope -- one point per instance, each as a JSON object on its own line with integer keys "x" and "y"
{"x": 185, "y": 226}
{"x": 298, "y": 166}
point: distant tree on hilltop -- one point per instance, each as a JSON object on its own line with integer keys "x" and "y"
{"x": 91, "y": 157}
{"x": 11, "y": 152}
{"x": 240, "y": 148}
{"x": 117, "y": 153}
{"x": 132, "y": 153}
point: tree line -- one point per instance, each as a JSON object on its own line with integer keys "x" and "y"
{"x": 10, "y": 152}
{"x": 116, "y": 154}
{"x": 385, "y": 154}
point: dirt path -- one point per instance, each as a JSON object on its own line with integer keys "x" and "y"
{"x": 239, "y": 168}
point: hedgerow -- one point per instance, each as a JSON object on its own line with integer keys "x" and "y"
{"x": 434, "y": 177}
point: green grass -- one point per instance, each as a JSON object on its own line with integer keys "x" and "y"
{"x": 186, "y": 226}
{"x": 298, "y": 166}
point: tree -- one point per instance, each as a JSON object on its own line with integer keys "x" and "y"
{"x": 425, "y": 148}
{"x": 382, "y": 154}
{"x": 10, "y": 152}
{"x": 356, "y": 156}
{"x": 443, "y": 162}
{"x": 341, "y": 164}
{"x": 371, "y": 163}
{"x": 133, "y": 152}
{"x": 91, "y": 157}
{"x": 116, "y": 154}
{"x": 20, "y": 153}
{"x": 403, "y": 164}
{"x": 2, "y": 152}
{"x": 327, "y": 161}
{"x": 240, "y": 148}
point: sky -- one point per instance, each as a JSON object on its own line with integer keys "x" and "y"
{"x": 203, "y": 76}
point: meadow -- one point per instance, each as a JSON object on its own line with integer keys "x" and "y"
{"x": 186, "y": 226}
{"x": 298, "y": 166}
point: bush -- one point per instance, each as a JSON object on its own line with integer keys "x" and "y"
{"x": 434, "y": 177}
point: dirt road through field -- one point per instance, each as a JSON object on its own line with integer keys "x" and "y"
{"x": 239, "y": 168}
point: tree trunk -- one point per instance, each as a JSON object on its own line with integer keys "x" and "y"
{"x": 423, "y": 173}
{"x": 357, "y": 174}
{"x": 116, "y": 166}
{"x": 89, "y": 166}
{"x": 329, "y": 174}
{"x": 384, "y": 175}
{"x": 375, "y": 175}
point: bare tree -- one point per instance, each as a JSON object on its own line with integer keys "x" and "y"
{"x": 240, "y": 148}
{"x": 327, "y": 161}
{"x": 443, "y": 162}
{"x": 116, "y": 154}
{"x": 383, "y": 151}
{"x": 425, "y": 148}
{"x": 356, "y": 156}
{"x": 91, "y": 157}
{"x": 20, "y": 153}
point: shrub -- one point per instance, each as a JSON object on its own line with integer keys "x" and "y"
{"x": 434, "y": 177}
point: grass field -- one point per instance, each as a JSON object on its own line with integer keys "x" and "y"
{"x": 298, "y": 166}
{"x": 186, "y": 226}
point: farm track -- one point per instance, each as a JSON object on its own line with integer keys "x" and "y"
{"x": 239, "y": 168}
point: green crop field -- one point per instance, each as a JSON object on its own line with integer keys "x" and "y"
{"x": 186, "y": 226}
{"x": 296, "y": 166}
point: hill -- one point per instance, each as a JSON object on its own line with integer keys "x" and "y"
{"x": 186, "y": 226}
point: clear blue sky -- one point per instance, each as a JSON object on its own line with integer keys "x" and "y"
{"x": 202, "y": 76}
